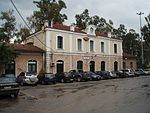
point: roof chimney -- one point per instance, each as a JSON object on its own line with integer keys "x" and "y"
{"x": 72, "y": 27}
{"x": 46, "y": 24}
{"x": 109, "y": 34}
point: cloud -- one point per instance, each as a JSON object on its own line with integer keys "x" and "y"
{"x": 120, "y": 12}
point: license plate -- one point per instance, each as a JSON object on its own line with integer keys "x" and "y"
{"x": 8, "y": 87}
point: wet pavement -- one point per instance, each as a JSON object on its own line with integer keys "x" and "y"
{"x": 128, "y": 95}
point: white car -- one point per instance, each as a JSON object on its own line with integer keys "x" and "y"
{"x": 27, "y": 78}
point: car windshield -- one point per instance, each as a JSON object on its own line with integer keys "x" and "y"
{"x": 7, "y": 79}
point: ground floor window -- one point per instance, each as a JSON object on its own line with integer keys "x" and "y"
{"x": 124, "y": 65}
{"x": 92, "y": 66}
{"x": 102, "y": 66}
{"x": 79, "y": 65}
{"x": 32, "y": 66}
{"x": 10, "y": 68}
{"x": 115, "y": 66}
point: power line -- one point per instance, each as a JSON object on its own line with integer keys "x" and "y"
{"x": 26, "y": 23}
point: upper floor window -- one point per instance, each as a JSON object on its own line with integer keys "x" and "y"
{"x": 79, "y": 44}
{"x": 91, "y": 45}
{"x": 60, "y": 42}
{"x": 115, "y": 48}
{"x": 102, "y": 47}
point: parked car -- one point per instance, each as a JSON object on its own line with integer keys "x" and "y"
{"x": 27, "y": 78}
{"x": 93, "y": 76}
{"x": 79, "y": 75}
{"x": 113, "y": 74}
{"x": 128, "y": 72}
{"x": 104, "y": 74}
{"x": 64, "y": 77}
{"x": 147, "y": 70}
{"x": 141, "y": 72}
{"x": 8, "y": 85}
{"x": 46, "y": 78}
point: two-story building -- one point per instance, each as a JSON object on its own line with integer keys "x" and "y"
{"x": 68, "y": 47}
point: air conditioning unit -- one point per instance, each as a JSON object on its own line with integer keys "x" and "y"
{"x": 52, "y": 64}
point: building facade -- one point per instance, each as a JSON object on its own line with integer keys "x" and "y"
{"x": 29, "y": 58}
{"x": 68, "y": 47}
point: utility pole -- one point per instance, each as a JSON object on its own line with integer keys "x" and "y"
{"x": 142, "y": 58}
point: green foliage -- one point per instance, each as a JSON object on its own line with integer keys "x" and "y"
{"x": 7, "y": 30}
{"x": 49, "y": 10}
{"x": 6, "y": 54}
{"x": 84, "y": 19}
{"x": 22, "y": 34}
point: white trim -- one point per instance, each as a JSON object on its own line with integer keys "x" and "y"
{"x": 63, "y": 48}
{"x": 93, "y": 45}
{"x": 81, "y": 44}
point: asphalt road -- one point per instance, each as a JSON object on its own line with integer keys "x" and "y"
{"x": 128, "y": 95}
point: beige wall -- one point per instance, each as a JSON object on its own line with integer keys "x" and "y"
{"x": 21, "y": 62}
{"x": 70, "y": 55}
{"x": 70, "y": 62}
{"x": 128, "y": 63}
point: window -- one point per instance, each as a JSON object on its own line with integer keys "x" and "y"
{"x": 102, "y": 47}
{"x": 80, "y": 65}
{"x": 60, "y": 42}
{"x": 115, "y": 48}
{"x": 115, "y": 66}
{"x": 79, "y": 44}
{"x": 32, "y": 66}
{"x": 124, "y": 65}
{"x": 91, "y": 45}
{"x": 131, "y": 65}
{"x": 102, "y": 66}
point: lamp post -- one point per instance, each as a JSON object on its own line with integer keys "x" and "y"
{"x": 142, "y": 58}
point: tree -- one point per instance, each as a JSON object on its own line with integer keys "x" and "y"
{"x": 84, "y": 19}
{"x": 6, "y": 55}
{"x": 22, "y": 34}
{"x": 7, "y": 30}
{"x": 49, "y": 10}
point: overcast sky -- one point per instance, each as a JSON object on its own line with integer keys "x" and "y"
{"x": 119, "y": 11}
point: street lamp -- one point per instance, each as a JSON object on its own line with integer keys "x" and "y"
{"x": 140, "y": 13}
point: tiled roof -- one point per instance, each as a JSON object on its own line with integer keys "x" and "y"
{"x": 26, "y": 48}
{"x": 66, "y": 28}
{"x": 101, "y": 34}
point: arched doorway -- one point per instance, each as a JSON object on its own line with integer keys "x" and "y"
{"x": 115, "y": 66}
{"x": 102, "y": 66}
{"x": 79, "y": 65}
{"x": 10, "y": 68}
{"x": 92, "y": 66}
{"x": 60, "y": 66}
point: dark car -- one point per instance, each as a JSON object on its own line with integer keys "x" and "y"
{"x": 104, "y": 74}
{"x": 141, "y": 72}
{"x": 8, "y": 85}
{"x": 93, "y": 76}
{"x": 80, "y": 75}
{"x": 64, "y": 77}
{"x": 46, "y": 78}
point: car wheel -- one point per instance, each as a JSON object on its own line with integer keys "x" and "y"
{"x": 15, "y": 95}
{"x": 79, "y": 79}
{"x": 43, "y": 82}
{"x": 21, "y": 83}
{"x": 62, "y": 80}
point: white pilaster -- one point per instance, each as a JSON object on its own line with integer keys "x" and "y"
{"x": 48, "y": 49}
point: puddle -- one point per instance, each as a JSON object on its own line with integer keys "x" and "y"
{"x": 145, "y": 85}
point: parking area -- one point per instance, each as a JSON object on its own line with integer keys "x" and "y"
{"x": 126, "y": 95}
